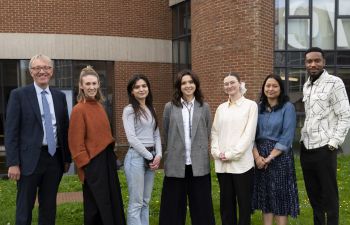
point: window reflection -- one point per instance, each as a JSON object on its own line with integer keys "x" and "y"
{"x": 323, "y": 25}
{"x": 343, "y": 35}
{"x": 299, "y": 8}
{"x": 344, "y": 7}
{"x": 298, "y": 30}
{"x": 279, "y": 24}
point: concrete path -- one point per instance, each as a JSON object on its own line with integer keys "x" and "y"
{"x": 65, "y": 197}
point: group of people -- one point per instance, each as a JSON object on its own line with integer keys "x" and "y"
{"x": 250, "y": 143}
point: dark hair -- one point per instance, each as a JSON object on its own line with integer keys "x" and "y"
{"x": 234, "y": 74}
{"x": 282, "y": 98}
{"x": 314, "y": 49}
{"x": 138, "y": 110}
{"x": 177, "y": 87}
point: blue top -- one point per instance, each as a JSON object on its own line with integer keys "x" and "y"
{"x": 277, "y": 125}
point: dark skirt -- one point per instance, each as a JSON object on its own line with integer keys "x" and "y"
{"x": 103, "y": 202}
{"x": 275, "y": 188}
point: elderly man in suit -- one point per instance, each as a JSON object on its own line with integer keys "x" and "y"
{"x": 36, "y": 142}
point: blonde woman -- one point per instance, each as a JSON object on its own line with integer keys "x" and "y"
{"x": 91, "y": 144}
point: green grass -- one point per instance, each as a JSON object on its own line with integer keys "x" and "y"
{"x": 72, "y": 213}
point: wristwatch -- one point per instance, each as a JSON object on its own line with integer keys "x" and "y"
{"x": 332, "y": 148}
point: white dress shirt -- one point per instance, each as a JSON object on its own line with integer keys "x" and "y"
{"x": 48, "y": 96}
{"x": 187, "y": 114}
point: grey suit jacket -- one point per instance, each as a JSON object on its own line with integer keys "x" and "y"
{"x": 174, "y": 138}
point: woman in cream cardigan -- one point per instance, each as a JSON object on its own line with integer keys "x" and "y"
{"x": 232, "y": 135}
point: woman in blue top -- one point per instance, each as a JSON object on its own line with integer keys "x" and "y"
{"x": 275, "y": 188}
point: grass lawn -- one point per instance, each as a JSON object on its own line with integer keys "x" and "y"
{"x": 72, "y": 213}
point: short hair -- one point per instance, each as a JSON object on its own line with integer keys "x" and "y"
{"x": 42, "y": 57}
{"x": 88, "y": 70}
{"x": 314, "y": 49}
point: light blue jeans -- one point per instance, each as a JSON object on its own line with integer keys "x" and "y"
{"x": 140, "y": 185}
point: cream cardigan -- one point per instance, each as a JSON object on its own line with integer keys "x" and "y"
{"x": 233, "y": 132}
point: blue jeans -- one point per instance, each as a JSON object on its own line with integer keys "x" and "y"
{"x": 140, "y": 185}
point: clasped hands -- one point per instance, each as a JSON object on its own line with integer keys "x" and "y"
{"x": 155, "y": 164}
{"x": 262, "y": 163}
{"x": 222, "y": 156}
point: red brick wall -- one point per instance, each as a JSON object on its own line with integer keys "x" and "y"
{"x": 160, "y": 77}
{"x": 232, "y": 35}
{"x": 136, "y": 18}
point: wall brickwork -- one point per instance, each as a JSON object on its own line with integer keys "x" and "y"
{"x": 232, "y": 35}
{"x": 159, "y": 75}
{"x": 137, "y": 18}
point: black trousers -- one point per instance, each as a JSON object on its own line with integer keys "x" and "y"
{"x": 236, "y": 188}
{"x": 175, "y": 191}
{"x": 103, "y": 203}
{"x": 44, "y": 182}
{"x": 320, "y": 176}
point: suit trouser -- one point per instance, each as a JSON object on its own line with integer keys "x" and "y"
{"x": 101, "y": 191}
{"x": 173, "y": 206}
{"x": 44, "y": 181}
{"x": 320, "y": 176}
{"x": 236, "y": 188}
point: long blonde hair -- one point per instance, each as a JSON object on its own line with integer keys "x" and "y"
{"x": 88, "y": 70}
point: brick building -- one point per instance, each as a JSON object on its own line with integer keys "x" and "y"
{"x": 160, "y": 37}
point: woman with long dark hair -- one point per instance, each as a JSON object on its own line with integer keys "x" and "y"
{"x": 275, "y": 188}
{"x": 186, "y": 126}
{"x": 145, "y": 150}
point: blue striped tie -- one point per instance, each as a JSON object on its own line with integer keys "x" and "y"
{"x": 50, "y": 137}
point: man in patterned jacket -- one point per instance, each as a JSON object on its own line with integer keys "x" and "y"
{"x": 326, "y": 124}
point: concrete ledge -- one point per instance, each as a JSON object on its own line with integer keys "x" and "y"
{"x": 85, "y": 47}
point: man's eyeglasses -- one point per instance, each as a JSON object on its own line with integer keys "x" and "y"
{"x": 39, "y": 68}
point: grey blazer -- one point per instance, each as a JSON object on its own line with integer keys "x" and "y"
{"x": 174, "y": 139}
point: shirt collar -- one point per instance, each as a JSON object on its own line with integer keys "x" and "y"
{"x": 318, "y": 81}
{"x": 38, "y": 89}
{"x": 238, "y": 102}
{"x": 192, "y": 101}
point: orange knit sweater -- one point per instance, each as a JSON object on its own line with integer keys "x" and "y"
{"x": 89, "y": 133}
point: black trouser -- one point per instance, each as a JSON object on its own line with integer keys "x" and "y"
{"x": 236, "y": 188}
{"x": 45, "y": 180}
{"x": 101, "y": 190}
{"x": 173, "y": 206}
{"x": 320, "y": 176}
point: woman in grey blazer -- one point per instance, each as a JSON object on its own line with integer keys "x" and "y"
{"x": 186, "y": 129}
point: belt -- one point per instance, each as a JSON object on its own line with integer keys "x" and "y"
{"x": 151, "y": 149}
{"x": 46, "y": 148}
{"x": 304, "y": 149}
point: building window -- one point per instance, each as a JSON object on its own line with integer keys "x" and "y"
{"x": 15, "y": 73}
{"x": 181, "y": 36}
{"x": 300, "y": 24}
